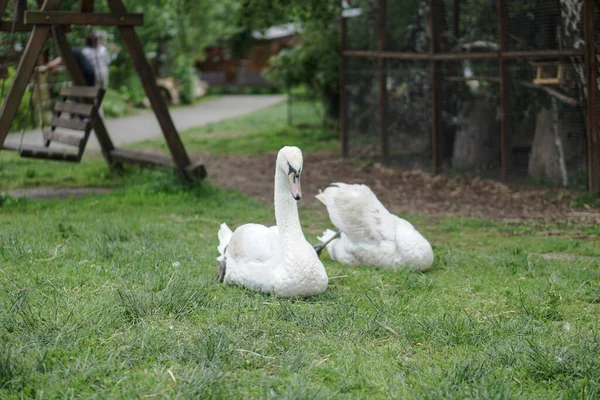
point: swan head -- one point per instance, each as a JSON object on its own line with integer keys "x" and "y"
{"x": 289, "y": 160}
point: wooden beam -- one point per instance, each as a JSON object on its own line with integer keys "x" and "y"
{"x": 23, "y": 74}
{"x": 77, "y": 77}
{"x": 7, "y": 26}
{"x": 382, "y": 75}
{"x": 141, "y": 158}
{"x": 343, "y": 91}
{"x": 76, "y": 18}
{"x": 593, "y": 142}
{"x": 134, "y": 47}
{"x": 505, "y": 127}
{"x": 20, "y": 8}
{"x": 434, "y": 79}
{"x": 3, "y": 4}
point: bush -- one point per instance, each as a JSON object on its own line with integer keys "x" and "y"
{"x": 182, "y": 72}
{"x": 24, "y": 119}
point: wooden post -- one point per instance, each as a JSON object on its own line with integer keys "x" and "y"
{"x": 77, "y": 76}
{"x": 134, "y": 47}
{"x": 505, "y": 134}
{"x": 383, "y": 133}
{"x": 24, "y": 72}
{"x": 3, "y": 4}
{"x": 20, "y": 8}
{"x": 591, "y": 66}
{"x": 343, "y": 94}
{"x": 435, "y": 110}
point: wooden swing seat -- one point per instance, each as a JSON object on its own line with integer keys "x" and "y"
{"x": 76, "y": 113}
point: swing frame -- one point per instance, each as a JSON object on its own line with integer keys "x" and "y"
{"x": 40, "y": 24}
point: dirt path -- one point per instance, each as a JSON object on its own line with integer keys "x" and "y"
{"x": 403, "y": 191}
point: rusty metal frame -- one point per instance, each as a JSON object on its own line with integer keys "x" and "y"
{"x": 433, "y": 56}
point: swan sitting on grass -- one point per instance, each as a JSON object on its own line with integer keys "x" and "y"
{"x": 368, "y": 233}
{"x": 275, "y": 259}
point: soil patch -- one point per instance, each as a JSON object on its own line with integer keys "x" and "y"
{"x": 401, "y": 190}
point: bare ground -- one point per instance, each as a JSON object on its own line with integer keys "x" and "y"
{"x": 401, "y": 190}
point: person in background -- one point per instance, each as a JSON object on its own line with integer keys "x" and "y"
{"x": 85, "y": 66}
{"x": 97, "y": 55}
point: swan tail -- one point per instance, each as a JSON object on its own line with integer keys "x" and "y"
{"x": 328, "y": 234}
{"x": 224, "y": 237}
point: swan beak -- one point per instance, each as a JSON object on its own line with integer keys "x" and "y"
{"x": 295, "y": 186}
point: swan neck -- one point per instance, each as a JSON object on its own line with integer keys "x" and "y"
{"x": 286, "y": 209}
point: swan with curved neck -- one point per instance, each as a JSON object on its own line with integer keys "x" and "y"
{"x": 275, "y": 259}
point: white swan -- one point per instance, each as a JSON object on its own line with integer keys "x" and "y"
{"x": 277, "y": 259}
{"x": 370, "y": 234}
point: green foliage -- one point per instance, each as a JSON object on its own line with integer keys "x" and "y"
{"x": 314, "y": 61}
{"x": 186, "y": 28}
{"x": 26, "y": 117}
{"x": 182, "y": 70}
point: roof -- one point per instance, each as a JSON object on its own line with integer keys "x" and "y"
{"x": 276, "y": 32}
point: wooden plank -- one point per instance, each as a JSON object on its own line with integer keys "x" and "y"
{"x": 23, "y": 74}
{"x": 74, "y": 108}
{"x": 127, "y": 156}
{"x": 64, "y": 138}
{"x": 77, "y": 77}
{"x": 134, "y": 47}
{"x": 87, "y": 92}
{"x": 76, "y": 18}
{"x": 48, "y": 154}
{"x": 69, "y": 123}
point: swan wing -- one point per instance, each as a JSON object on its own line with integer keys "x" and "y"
{"x": 253, "y": 256}
{"x": 356, "y": 211}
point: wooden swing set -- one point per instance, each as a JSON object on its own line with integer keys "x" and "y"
{"x": 78, "y": 109}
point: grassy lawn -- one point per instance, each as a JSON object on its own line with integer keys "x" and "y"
{"x": 114, "y": 296}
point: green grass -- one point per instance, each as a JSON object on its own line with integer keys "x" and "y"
{"x": 16, "y": 172}
{"x": 114, "y": 296}
{"x": 103, "y": 296}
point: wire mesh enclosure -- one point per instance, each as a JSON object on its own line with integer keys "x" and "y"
{"x": 500, "y": 88}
